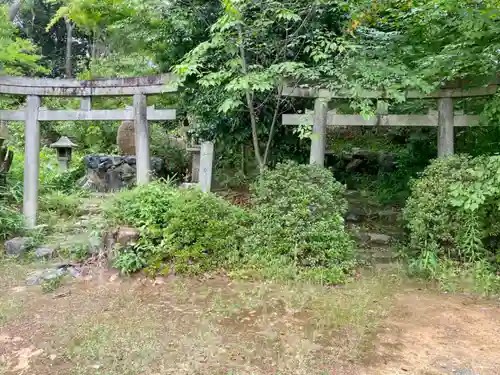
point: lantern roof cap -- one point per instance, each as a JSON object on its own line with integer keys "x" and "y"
{"x": 63, "y": 142}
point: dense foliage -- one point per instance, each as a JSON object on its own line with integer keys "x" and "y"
{"x": 17, "y": 55}
{"x": 298, "y": 220}
{"x": 186, "y": 229}
{"x": 295, "y": 224}
{"x": 233, "y": 58}
{"x": 11, "y": 221}
{"x": 453, "y": 213}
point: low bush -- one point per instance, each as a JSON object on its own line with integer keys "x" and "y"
{"x": 295, "y": 228}
{"x": 454, "y": 211}
{"x": 193, "y": 231}
{"x": 205, "y": 232}
{"x": 66, "y": 181}
{"x": 171, "y": 150}
{"x": 144, "y": 206}
{"x": 453, "y": 215}
{"x": 298, "y": 221}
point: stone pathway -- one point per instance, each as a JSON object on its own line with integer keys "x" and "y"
{"x": 377, "y": 229}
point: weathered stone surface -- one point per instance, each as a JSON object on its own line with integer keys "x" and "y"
{"x": 37, "y": 277}
{"x": 17, "y": 246}
{"x": 379, "y": 238}
{"x": 362, "y": 236}
{"x": 127, "y": 235}
{"x": 44, "y": 252}
{"x": 58, "y": 270}
{"x": 354, "y": 215}
{"x": 125, "y": 138}
{"x": 188, "y": 185}
{"x": 122, "y": 236}
{"x": 106, "y": 173}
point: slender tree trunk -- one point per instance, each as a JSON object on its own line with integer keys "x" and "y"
{"x": 69, "y": 45}
{"x": 251, "y": 108}
{"x": 273, "y": 126}
{"x": 14, "y": 9}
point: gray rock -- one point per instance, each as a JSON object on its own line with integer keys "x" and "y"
{"x": 127, "y": 236}
{"x": 354, "y": 215}
{"x": 188, "y": 185}
{"x": 362, "y": 236}
{"x": 44, "y": 252}
{"x": 379, "y": 238}
{"x": 35, "y": 278}
{"x": 75, "y": 272}
{"x": 17, "y": 246}
{"x": 387, "y": 215}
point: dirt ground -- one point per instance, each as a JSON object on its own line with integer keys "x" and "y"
{"x": 379, "y": 325}
{"x": 430, "y": 333}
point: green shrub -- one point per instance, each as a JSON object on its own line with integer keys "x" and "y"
{"x": 191, "y": 230}
{"x": 205, "y": 231}
{"x": 11, "y": 221}
{"x": 453, "y": 217}
{"x": 66, "y": 181}
{"x": 453, "y": 210}
{"x": 296, "y": 228}
{"x": 171, "y": 150}
{"x": 298, "y": 220}
{"x": 144, "y": 206}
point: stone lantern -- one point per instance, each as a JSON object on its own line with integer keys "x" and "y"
{"x": 64, "y": 147}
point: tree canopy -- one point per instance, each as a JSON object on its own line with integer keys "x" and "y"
{"x": 234, "y": 56}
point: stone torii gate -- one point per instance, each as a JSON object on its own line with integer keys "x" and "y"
{"x": 445, "y": 118}
{"x": 32, "y": 114}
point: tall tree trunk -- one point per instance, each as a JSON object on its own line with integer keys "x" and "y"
{"x": 14, "y": 9}
{"x": 69, "y": 44}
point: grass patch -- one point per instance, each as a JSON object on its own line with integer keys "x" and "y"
{"x": 205, "y": 327}
{"x": 66, "y": 205}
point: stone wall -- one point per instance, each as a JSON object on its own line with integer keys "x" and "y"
{"x": 105, "y": 173}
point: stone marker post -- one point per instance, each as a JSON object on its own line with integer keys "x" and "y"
{"x": 206, "y": 164}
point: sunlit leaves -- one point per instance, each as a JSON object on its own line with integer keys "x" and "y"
{"x": 230, "y": 104}
{"x": 17, "y": 56}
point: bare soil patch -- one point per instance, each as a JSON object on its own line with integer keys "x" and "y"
{"x": 433, "y": 333}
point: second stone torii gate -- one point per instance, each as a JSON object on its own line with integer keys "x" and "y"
{"x": 445, "y": 118}
{"x": 34, "y": 89}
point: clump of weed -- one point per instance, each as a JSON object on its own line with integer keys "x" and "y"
{"x": 51, "y": 285}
